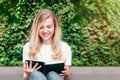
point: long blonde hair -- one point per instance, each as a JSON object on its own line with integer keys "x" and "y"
{"x": 35, "y": 39}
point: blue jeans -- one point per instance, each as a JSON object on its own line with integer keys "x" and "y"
{"x": 36, "y": 75}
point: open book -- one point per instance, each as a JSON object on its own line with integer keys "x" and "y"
{"x": 48, "y": 66}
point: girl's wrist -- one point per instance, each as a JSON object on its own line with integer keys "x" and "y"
{"x": 67, "y": 77}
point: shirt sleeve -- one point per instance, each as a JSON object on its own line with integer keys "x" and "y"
{"x": 26, "y": 51}
{"x": 66, "y": 54}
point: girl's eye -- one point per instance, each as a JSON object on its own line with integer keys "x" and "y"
{"x": 49, "y": 26}
{"x": 41, "y": 27}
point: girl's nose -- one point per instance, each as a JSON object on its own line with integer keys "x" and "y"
{"x": 45, "y": 30}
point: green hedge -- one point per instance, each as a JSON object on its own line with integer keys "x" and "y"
{"x": 90, "y": 27}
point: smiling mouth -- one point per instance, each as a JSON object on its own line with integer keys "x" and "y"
{"x": 45, "y": 35}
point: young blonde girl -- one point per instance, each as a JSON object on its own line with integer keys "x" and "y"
{"x": 45, "y": 45}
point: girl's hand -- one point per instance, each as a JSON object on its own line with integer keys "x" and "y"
{"x": 66, "y": 71}
{"x": 28, "y": 68}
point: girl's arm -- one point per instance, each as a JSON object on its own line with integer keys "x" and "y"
{"x": 66, "y": 72}
{"x": 25, "y": 76}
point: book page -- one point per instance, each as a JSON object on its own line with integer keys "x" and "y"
{"x": 54, "y": 62}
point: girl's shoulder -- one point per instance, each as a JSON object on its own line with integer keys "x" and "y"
{"x": 27, "y": 44}
{"x": 64, "y": 44}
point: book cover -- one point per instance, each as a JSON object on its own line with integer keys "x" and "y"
{"x": 46, "y": 67}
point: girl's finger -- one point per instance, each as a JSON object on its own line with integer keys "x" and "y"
{"x": 26, "y": 65}
{"x": 35, "y": 66}
{"x": 65, "y": 67}
{"x": 62, "y": 74}
{"x": 38, "y": 67}
{"x": 30, "y": 66}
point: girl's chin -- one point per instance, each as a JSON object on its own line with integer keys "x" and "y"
{"x": 46, "y": 39}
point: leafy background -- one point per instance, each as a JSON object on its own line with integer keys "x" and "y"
{"x": 90, "y": 27}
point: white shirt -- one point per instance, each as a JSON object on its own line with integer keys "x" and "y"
{"x": 45, "y": 53}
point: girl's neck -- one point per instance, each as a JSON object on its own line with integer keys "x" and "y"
{"x": 46, "y": 43}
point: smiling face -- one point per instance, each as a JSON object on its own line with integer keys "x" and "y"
{"x": 46, "y": 30}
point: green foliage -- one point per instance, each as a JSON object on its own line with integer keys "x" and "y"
{"x": 102, "y": 48}
{"x": 91, "y": 28}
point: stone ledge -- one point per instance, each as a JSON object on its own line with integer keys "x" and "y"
{"x": 77, "y": 73}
